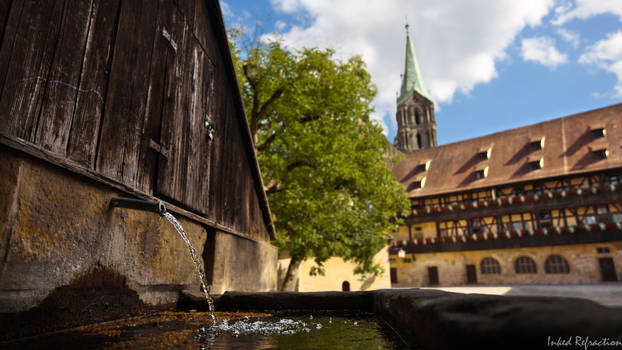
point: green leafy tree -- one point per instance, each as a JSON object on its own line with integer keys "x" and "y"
{"x": 323, "y": 161}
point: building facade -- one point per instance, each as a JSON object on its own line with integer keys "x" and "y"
{"x": 338, "y": 275}
{"x": 537, "y": 204}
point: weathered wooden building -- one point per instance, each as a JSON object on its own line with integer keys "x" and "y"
{"x": 110, "y": 98}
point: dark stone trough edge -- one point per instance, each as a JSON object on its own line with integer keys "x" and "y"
{"x": 432, "y": 319}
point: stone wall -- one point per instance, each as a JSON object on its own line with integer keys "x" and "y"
{"x": 582, "y": 260}
{"x": 56, "y": 227}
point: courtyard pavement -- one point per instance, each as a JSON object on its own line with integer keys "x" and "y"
{"x": 609, "y": 294}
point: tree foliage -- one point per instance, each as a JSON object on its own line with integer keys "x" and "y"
{"x": 323, "y": 160}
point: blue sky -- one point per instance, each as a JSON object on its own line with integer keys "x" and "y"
{"x": 490, "y": 65}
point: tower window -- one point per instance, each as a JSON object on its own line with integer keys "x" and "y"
{"x": 417, "y": 117}
{"x": 601, "y": 154}
{"x": 598, "y": 133}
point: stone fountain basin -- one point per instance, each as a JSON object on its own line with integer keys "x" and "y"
{"x": 432, "y": 319}
{"x": 427, "y": 319}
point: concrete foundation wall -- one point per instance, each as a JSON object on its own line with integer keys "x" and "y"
{"x": 243, "y": 265}
{"x": 582, "y": 260}
{"x": 56, "y": 227}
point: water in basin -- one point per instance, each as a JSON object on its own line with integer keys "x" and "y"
{"x": 180, "y": 330}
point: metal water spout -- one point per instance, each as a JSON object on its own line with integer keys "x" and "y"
{"x": 138, "y": 204}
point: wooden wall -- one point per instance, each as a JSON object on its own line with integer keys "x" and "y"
{"x": 124, "y": 88}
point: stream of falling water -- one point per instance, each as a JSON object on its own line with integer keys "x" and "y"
{"x": 195, "y": 259}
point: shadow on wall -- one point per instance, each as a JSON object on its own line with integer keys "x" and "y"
{"x": 368, "y": 282}
{"x": 97, "y": 296}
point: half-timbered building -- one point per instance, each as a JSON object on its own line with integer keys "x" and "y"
{"x": 537, "y": 204}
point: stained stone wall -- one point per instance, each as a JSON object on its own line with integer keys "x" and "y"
{"x": 56, "y": 227}
{"x": 582, "y": 260}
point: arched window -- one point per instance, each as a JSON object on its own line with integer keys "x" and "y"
{"x": 345, "y": 286}
{"x": 419, "y": 141}
{"x": 490, "y": 266}
{"x": 556, "y": 264}
{"x": 525, "y": 264}
{"x": 417, "y": 116}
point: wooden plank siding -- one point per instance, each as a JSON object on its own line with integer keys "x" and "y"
{"x": 64, "y": 77}
{"x": 121, "y": 142}
{"x": 5, "y": 8}
{"x": 27, "y": 66}
{"x": 89, "y": 108}
{"x": 123, "y": 89}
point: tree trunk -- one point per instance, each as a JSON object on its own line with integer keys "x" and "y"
{"x": 291, "y": 277}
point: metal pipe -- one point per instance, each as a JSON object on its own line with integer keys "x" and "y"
{"x": 138, "y": 204}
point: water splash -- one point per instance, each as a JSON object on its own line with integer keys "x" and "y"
{"x": 197, "y": 263}
{"x": 247, "y": 326}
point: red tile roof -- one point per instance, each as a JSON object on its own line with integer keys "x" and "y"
{"x": 567, "y": 149}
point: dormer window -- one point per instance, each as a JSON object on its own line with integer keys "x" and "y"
{"x": 535, "y": 163}
{"x": 423, "y": 166}
{"x": 601, "y": 154}
{"x": 598, "y": 133}
{"x": 484, "y": 154}
{"x": 415, "y": 185}
{"x": 537, "y": 144}
{"x": 481, "y": 174}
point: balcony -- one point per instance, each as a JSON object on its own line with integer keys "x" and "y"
{"x": 546, "y": 200}
{"x": 555, "y": 235}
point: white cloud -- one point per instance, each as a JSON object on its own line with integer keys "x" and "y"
{"x": 587, "y": 8}
{"x": 572, "y": 37}
{"x": 457, "y": 42}
{"x": 607, "y": 54}
{"x": 280, "y": 25}
{"x": 288, "y": 6}
{"x": 542, "y": 50}
{"x": 226, "y": 10}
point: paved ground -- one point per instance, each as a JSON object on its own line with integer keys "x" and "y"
{"x": 609, "y": 294}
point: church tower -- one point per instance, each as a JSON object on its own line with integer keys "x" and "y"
{"x": 416, "y": 127}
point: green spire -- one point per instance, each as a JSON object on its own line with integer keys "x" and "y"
{"x": 412, "y": 80}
